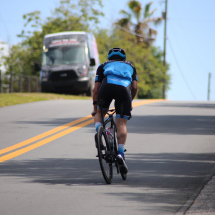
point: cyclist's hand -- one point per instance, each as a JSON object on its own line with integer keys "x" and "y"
{"x": 94, "y": 113}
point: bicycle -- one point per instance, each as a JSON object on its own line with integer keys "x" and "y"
{"x": 107, "y": 151}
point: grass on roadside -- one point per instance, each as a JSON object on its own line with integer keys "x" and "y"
{"x": 7, "y": 99}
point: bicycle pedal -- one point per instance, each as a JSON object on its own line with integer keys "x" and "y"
{"x": 125, "y": 150}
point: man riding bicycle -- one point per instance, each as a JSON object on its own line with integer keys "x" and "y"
{"x": 116, "y": 79}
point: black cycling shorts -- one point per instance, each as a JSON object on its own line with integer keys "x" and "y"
{"x": 121, "y": 95}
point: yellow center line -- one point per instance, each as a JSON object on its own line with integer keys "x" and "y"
{"x": 55, "y": 136}
{"x": 38, "y": 137}
{"x": 45, "y": 141}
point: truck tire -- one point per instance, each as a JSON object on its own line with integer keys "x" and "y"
{"x": 90, "y": 90}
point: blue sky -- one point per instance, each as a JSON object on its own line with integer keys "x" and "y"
{"x": 190, "y": 38}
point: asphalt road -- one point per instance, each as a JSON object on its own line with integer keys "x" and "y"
{"x": 48, "y": 166}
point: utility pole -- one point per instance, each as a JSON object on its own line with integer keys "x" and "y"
{"x": 164, "y": 52}
{"x": 209, "y": 83}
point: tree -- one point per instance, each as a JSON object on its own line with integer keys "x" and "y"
{"x": 148, "y": 62}
{"x": 81, "y": 16}
{"x": 69, "y": 16}
{"x": 144, "y": 33}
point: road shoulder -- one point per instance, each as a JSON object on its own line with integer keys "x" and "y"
{"x": 204, "y": 203}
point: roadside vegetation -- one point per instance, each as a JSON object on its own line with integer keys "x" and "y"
{"x": 134, "y": 32}
{"x": 7, "y": 99}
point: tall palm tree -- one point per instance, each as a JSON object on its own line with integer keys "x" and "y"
{"x": 141, "y": 26}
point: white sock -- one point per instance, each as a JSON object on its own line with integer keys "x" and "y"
{"x": 97, "y": 125}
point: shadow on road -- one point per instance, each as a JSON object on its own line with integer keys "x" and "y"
{"x": 173, "y": 170}
{"x": 54, "y": 171}
{"x": 165, "y": 170}
{"x": 168, "y": 179}
{"x": 151, "y": 124}
{"x": 173, "y": 124}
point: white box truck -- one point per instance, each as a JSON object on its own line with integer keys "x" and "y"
{"x": 69, "y": 63}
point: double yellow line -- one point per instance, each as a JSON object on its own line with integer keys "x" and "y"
{"x": 67, "y": 128}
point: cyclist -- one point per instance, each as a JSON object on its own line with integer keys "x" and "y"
{"x": 116, "y": 79}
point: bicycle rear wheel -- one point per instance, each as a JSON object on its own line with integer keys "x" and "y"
{"x": 104, "y": 155}
{"x": 124, "y": 175}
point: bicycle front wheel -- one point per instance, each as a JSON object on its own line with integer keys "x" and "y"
{"x": 104, "y": 155}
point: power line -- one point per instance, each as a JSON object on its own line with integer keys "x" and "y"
{"x": 180, "y": 69}
{"x": 164, "y": 50}
{"x": 190, "y": 20}
{"x": 199, "y": 61}
{"x": 112, "y": 4}
{"x": 124, "y": 29}
{"x": 130, "y": 32}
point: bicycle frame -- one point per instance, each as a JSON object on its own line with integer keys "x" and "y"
{"x": 104, "y": 123}
{"x": 110, "y": 116}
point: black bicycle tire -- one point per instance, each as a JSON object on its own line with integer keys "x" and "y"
{"x": 115, "y": 139}
{"x": 102, "y": 156}
{"x": 124, "y": 175}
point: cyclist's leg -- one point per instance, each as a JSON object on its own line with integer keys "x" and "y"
{"x": 97, "y": 117}
{"x": 121, "y": 135}
{"x": 106, "y": 96}
{"x": 123, "y": 112}
{"x": 123, "y": 108}
{"x": 121, "y": 138}
{"x": 121, "y": 130}
{"x": 98, "y": 123}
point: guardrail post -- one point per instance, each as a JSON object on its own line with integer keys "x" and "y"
{"x": 20, "y": 83}
{"x": 36, "y": 84}
{"x": 11, "y": 82}
{"x": 29, "y": 84}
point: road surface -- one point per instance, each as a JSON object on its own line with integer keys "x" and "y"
{"x": 48, "y": 161}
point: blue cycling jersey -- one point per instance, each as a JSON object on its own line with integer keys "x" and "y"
{"x": 117, "y": 72}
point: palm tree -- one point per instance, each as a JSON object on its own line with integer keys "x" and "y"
{"x": 141, "y": 27}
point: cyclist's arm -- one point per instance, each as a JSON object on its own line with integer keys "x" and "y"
{"x": 95, "y": 94}
{"x": 134, "y": 89}
{"x": 134, "y": 83}
{"x": 98, "y": 81}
